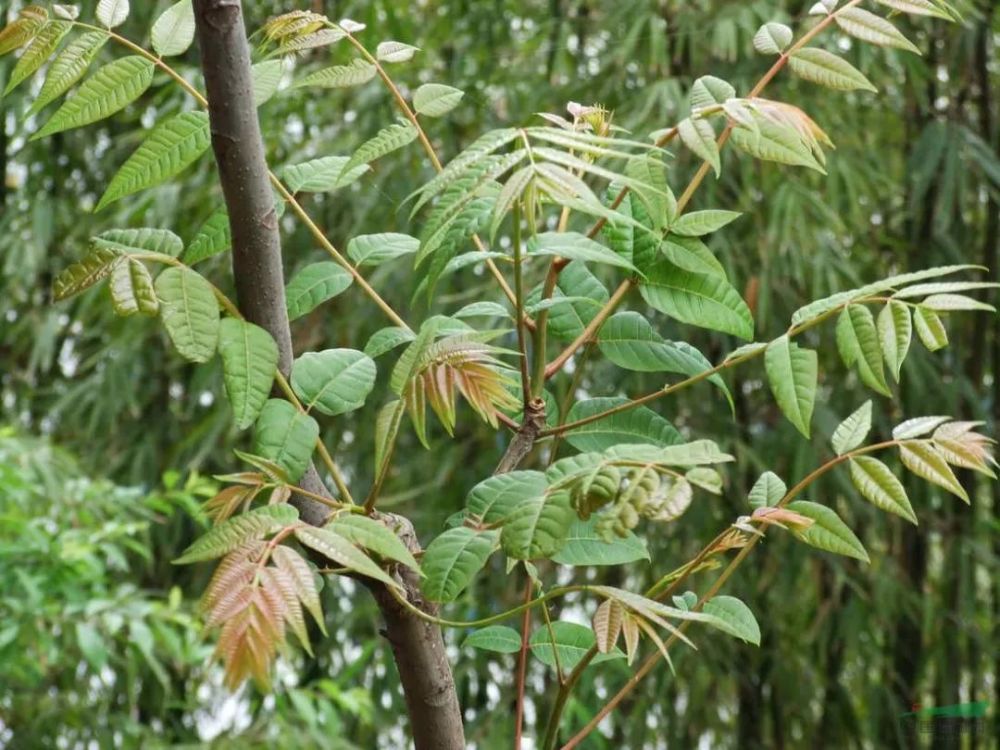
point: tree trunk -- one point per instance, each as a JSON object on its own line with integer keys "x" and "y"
{"x": 425, "y": 674}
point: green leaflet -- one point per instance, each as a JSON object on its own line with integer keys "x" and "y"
{"x": 286, "y": 436}
{"x": 772, "y": 38}
{"x": 773, "y": 142}
{"x": 386, "y": 141}
{"x": 858, "y": 343}
{"x": 173, "y": 146}
{"x": 373, "y": 536}
{"x": 132, "y": 289}
{"x": 709, "y": 90}
{"x": 213, "y": 238}
{"x": 638, "y": 425}
{"x": 699, "y": 223}
{"x": 22, "y": 29}
{"x": 572, "y": 642}
{"x": 95, "y": 266}
{"x": 436, "y": 99}
{"x": 895, "y": 331}
{"x": 237, "y": 531}
{"x": 110, "y": 89}
{"x": 387, "y": 424}
{"x": 43, "y": 45}
{"x": 767, "y": 491}
{"x": 792, "y": 373}
{"x": 920, "y": 457}
{"x": 498, "y": 638}
{"x": 575, "y": 247}
{"x": 691, "y": 254}
{"x": 916, "y": 7}
{"x": 321, "y": 175}
{"x": 142, "y": 240}
{"x": 338, "y": 549}
{"x": 333, "y": 381}
{"x": 314, "y": 285}
{"x": 91, "y": 645}
{"x": 112, "y": 13}
{"x": 189, "y": 311}
{"x": 339, "y": 76}
{"x": 452, "y": 560}
{"x": 828, "y": 532}
{"x": 636, "y": 243}
{"x": 880, "y": 487}
{"x": 566, "y": 322}
{"x": 386, "y": 339}
{"x": 249, "y": 360}
{"x": 494, "y": 499}
{"x": 395, "y": 52}
{"x": 734, "y": 617}
{"x": 868, "y": 27}
{"x": 852, "y": 431}
{"x": 375, "y": 249}
{"x": 930, "y": 328}
{"x": 538, "y": 526}
{"x": 629, "y": 341}
{"x": 173, "y": 31}
{"x": 266, "y": 79}
{"x": 584, "y": 547}
{"x": 827, "y": 69}
{"x": 699, "y": 136}
{"x": 697, "y": 299}
{"x": 68, "y": 67}
{"x": 916, "y": 427}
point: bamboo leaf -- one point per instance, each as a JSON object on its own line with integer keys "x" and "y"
{"x": 189, "y": 311}
{"x": 313, "y": 285}
{"x": 285, "y": 436}
{"x": 110, "y": 89}
{"x": 792, "y": 373}
{"x": 173, "y": 146}
{"x": 827, "y": 69}
{"x": 173, "y": 31}
{"x": 880, "y": 487}
{"x": 237, "y": 531}
{"x": 852, "y": 431}
{"x": 452, "y": 560}
{"x": 249, "y": 360}
{"x": 828, "y": 532}
{"x": 333, "y": 381}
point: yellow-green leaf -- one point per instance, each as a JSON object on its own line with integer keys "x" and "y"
{"x": 189, "y": 311}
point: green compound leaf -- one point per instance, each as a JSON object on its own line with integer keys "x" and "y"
{"x": 237, "y": 531}
{"x": 314, "y": 285}
{"x": 286, "y": 436}
{"x": 538, "y": 526}
{"x": 189, "y": 311}
{"x": 827, "y": 69}
{"x": 173, "y": 31}
{"x": 452, "y": 560}
{"x": 132, "y": 289}
{"x": 792, "y": 373}
{"x": 68, "y": 67}
{"x": 110, "y": 89}
{"x": 334, "y": 381}
{"x": 734, "y": 617}
{"x": 498, "y": 638}
{"x": 852, "y": 431}
{"x": 697, "y": 299}
{"x": 895, "y": 331}
{"x": 494, "y": 499}
{"x": 879, "y": 486}
{"x": 249, "y": 360}
{"x": 373, "y": 536}
{"x": 173, "y": 146}
{"x": 338, "y": 549}
{"x": 638, "y": 425}
{"x": 436, "y": 99}
{"x": 94, "y": 267}
{"x": 828, "y": 532}
{"x": 584, "y": 547}
{"x": 858, "y": 343}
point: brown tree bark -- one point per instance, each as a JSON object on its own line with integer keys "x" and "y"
{"x": 418, "y": 647}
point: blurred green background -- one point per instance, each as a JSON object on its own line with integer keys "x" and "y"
{"x": 108, "y": 441}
